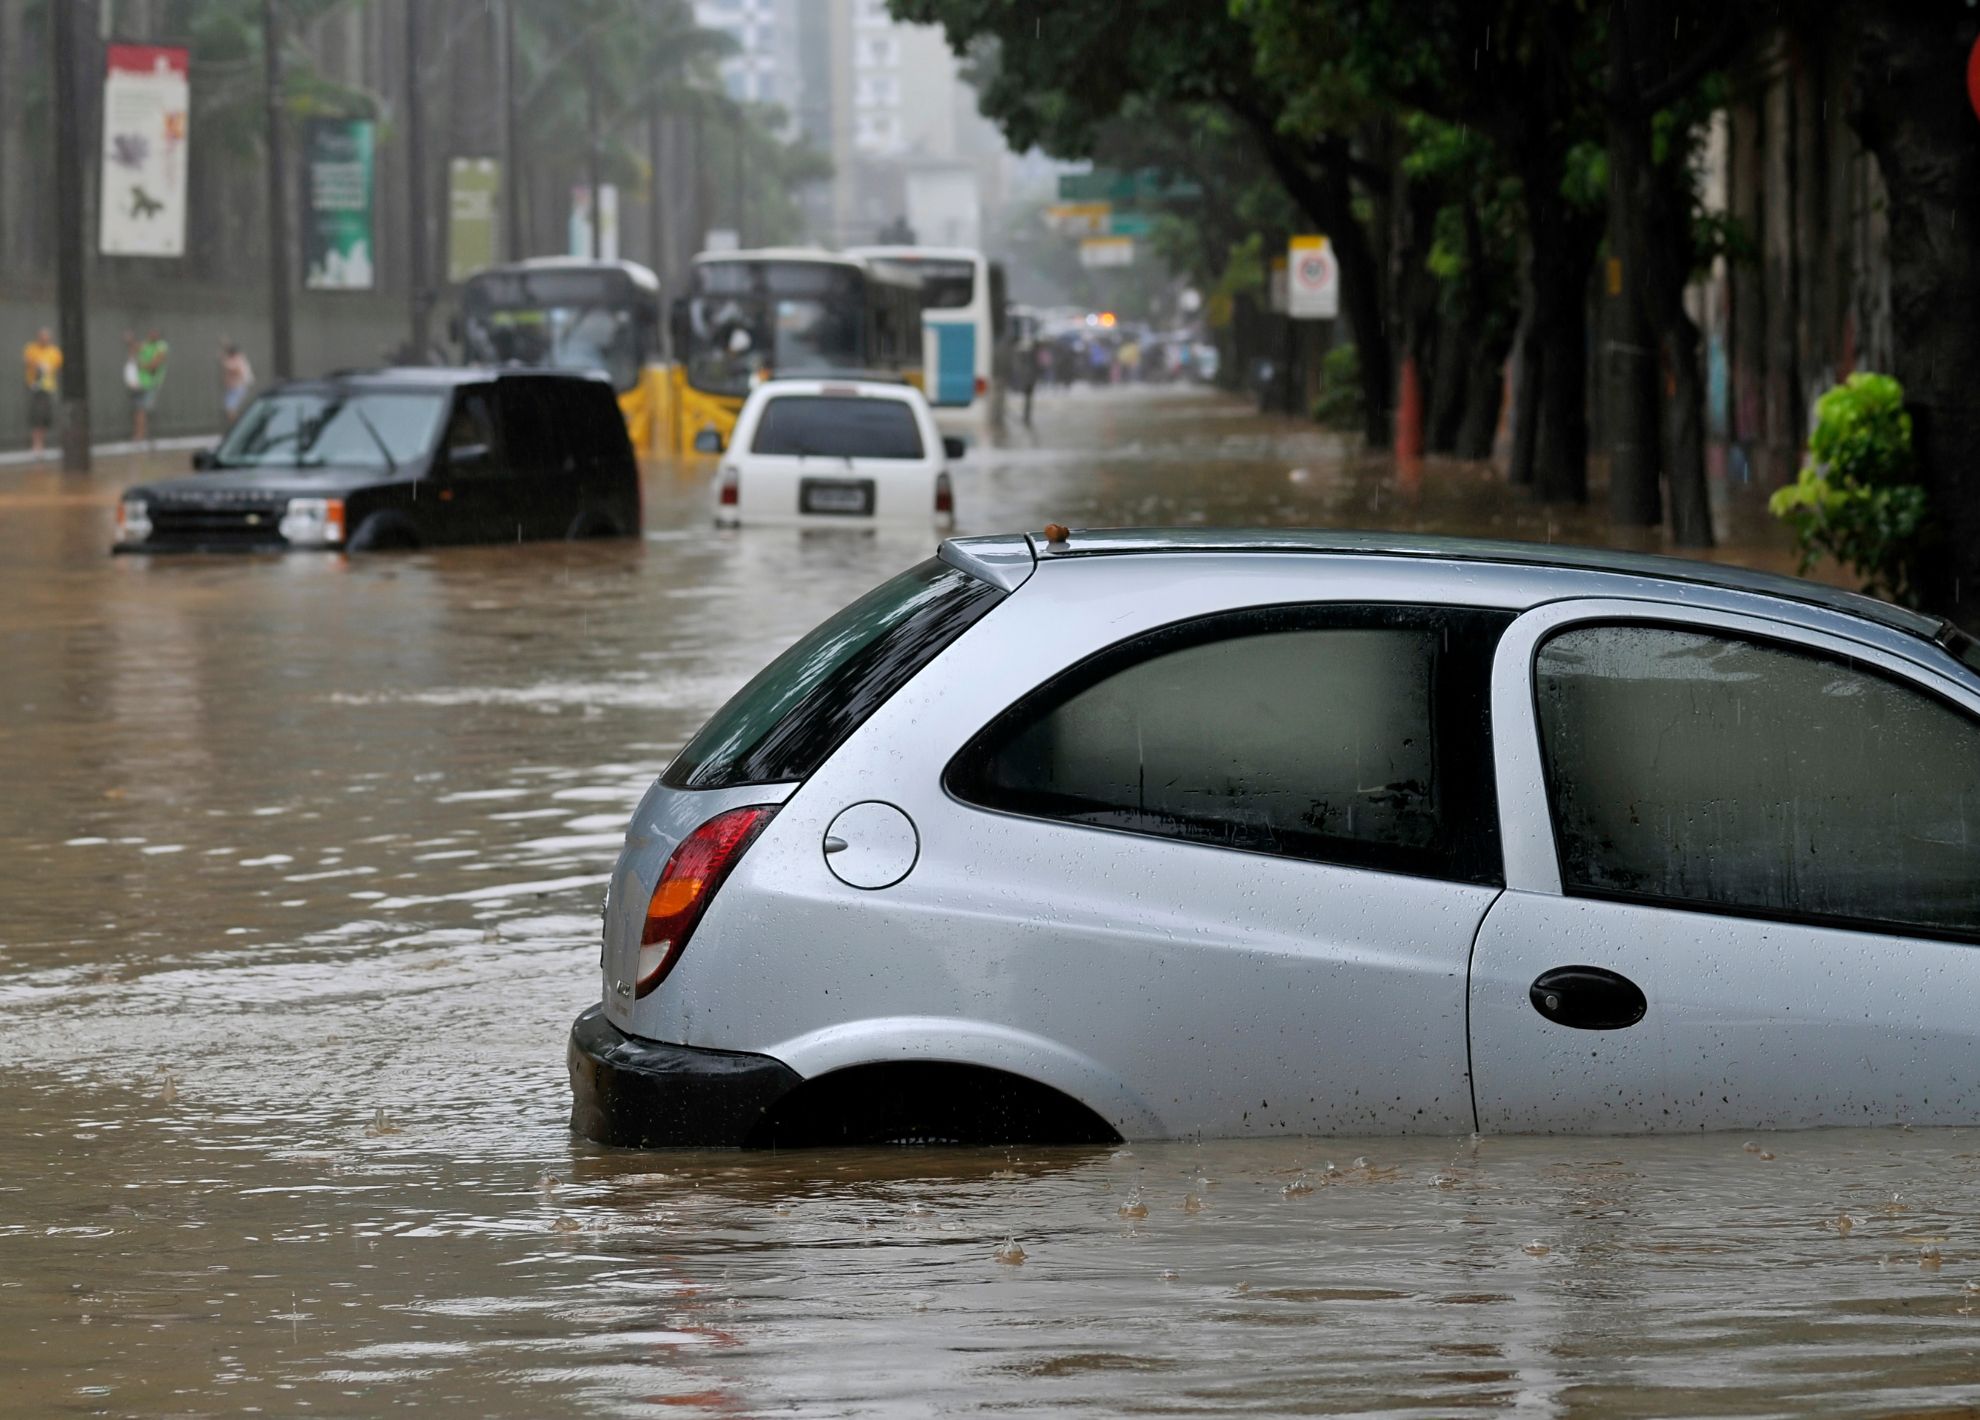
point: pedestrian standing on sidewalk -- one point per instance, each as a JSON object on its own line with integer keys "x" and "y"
{"x": 150, "y": 358}
{"x": 236, "y": 379}
{"x": 43, "y": 359}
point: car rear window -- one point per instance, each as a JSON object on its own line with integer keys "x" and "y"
{"x": 838, "y": 426}
{"x": 782, "y": 725}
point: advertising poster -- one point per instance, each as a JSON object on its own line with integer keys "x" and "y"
{"x": 146, "y": 94}
{"x": 337, "y": 237}
{"x": 474, "y": 190}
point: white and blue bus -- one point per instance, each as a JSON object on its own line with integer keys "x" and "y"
{"x": 962, "y": 318}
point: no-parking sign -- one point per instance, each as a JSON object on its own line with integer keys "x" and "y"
{"x": 1313, "y": 280}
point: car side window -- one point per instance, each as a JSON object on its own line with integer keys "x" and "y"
{"x": 471, "y": 431}
{"x": 1351, "y": 735}
{"x": 1717, "y": 771}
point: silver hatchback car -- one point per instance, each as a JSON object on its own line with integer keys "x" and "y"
{"x": 1138, "y": 834}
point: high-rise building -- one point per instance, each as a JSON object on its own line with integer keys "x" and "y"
{"x": 764, "y": 69}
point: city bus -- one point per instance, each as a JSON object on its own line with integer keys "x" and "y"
{"x": 751, "y": 315}
{"x": 568, "y": 313}
{"x": 962, "y": 313}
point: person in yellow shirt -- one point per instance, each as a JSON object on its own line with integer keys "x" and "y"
{"x": 44, "y": 380}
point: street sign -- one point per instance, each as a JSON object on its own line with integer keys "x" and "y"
{"x": 1125, "y": 189}
{"x": 1130, "y": 224}
{"x": 1313, "y": 282}
{"x": 1079, "y": 219}
{"x": 1107, "y": 251}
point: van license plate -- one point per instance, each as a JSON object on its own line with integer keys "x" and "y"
{"x": 847, "y": 497}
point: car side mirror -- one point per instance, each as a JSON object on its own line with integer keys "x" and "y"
{"x": 204, "y": 460}
{"x": 952, "y": 447}
{"x": 708, "y": 441}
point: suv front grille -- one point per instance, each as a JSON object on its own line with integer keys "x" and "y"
{"x": 219, "y": 520}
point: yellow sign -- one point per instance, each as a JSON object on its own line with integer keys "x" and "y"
{"x": 1080, "y": 219}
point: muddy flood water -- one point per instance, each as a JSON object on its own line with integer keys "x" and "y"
{"x": 300, "y": 863}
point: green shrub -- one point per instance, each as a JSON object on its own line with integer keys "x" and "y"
{"x": 1854, "y": 499}
{"x": 1339, "y": 403}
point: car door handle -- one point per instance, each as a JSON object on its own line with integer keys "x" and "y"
{"x": 1588, "y": 998}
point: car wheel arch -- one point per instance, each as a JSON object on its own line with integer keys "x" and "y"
{"x": 978, "y": 1046}
{"x": 385, "y": 530}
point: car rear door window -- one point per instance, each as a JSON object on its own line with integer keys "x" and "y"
{"x": 782, "y": 725}
{"x": 1351, "y": 735}
{"x": 1720, "y": 772}
{"x": 838, "y": 426}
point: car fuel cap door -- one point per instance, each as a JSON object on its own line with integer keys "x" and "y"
{"x": 871, "y": 845}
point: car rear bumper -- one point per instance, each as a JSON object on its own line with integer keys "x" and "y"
{"x": 644, "y": 1094}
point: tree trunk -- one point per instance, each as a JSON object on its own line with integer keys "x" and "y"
{"x": 1650, "y": 225}
{"x": 1691, "y": 505}
{"x": 1526, "y": 401}
{"x": 1912, "y": 113}
{"x": 1320, "y": 188}
{"x": 1563, "y": 249}
{"x": 1484, "y": 397}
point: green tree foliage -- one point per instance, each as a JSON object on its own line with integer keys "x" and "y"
{"x": 1854, "y": 499}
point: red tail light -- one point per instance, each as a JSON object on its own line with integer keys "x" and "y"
{"x": 945, "y": 494}
{"x": 688, "y": 884}
{"x": 731, "y": 488}
{"x": 982, "y": 386}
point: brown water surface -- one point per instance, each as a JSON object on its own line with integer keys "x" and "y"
{"x": 299, "y": 870}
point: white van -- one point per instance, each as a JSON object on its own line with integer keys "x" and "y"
{"x": 836, "y": 453}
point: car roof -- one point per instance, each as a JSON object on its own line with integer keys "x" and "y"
{"x": 641, "y": 276}
{"x": 439, "y": 377}
{"x": 1000, "y": 556}
{"x": 862, "y": 386}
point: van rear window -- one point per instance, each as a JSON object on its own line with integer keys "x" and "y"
{"x": 802, "y": 706}
{"x": 839, "y": 427}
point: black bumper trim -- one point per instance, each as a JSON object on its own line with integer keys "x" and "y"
{"x": 644, "y": 1094}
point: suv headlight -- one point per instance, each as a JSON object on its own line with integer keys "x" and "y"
{"x": 313, "y": 522}
{"x": 133, "y": 520}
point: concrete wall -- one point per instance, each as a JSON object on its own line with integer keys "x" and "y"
{"x": 331, "y": 333}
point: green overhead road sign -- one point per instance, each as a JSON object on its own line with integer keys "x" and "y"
{"x": 1130, "y": 224}
{"x": 1125, "y": 189}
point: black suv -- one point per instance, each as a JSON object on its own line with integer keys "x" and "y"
{"x": 401, "y": 458}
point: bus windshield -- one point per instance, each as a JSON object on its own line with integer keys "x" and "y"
{"x": 553, "y": 320}
{"x": 946, "y": 285}
{"x": 784, "y": 317}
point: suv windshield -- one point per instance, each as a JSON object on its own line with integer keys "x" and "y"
{"x": 839, "y": 427}
{"x": 299, "y": 429}
{"x": 782, "y": 725}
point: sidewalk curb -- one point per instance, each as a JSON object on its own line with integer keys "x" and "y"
{"x": 25, "y": 458}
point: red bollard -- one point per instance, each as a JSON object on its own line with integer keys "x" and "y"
{"x": 1409, "y": 412}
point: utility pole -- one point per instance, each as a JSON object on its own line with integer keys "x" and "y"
{"x": 742, "y": 238}
{"x": 698, "y": 234}
{"x": 595, "y": 197}
{"x": 512, "y": 237}
{"x": 70, "y": 243}
{"x": 280, "y": 309}
{"x": 416, "y": 190}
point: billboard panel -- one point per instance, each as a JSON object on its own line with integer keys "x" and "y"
{"x": 146, "y": 97}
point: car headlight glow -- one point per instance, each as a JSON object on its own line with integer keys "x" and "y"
{"x": 313, "y": 522}
{"x": 133, "y": 520}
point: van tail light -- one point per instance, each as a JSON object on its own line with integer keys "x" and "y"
{"x": 688, "y": 884}
{"x": 731, "y": 492}
{"x": 982, "y": 387}
{"x": 945, "y": 495}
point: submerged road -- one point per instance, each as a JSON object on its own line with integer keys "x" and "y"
{"x": 299, "y": 870}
